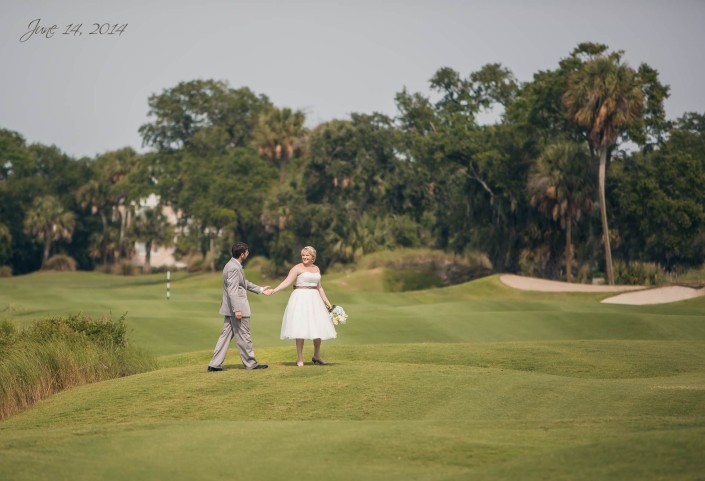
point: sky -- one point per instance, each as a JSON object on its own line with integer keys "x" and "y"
{"x": 88, "y": 94}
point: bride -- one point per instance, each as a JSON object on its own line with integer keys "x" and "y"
{"x": 306, "y": 314}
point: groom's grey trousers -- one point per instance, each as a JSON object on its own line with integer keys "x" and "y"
{"x": 241, "y": 331}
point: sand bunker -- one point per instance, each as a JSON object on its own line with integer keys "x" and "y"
{"x": 643, "y": 296}
{"x": 544, "y": 285}
{"x": 658, "y": 295}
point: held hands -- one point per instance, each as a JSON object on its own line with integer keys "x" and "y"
{"x": 268, "y": 291}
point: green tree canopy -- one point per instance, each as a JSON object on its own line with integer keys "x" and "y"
{"x": 660, "y": 198}
{"x": 202, "y": 115}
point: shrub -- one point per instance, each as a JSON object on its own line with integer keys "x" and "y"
{"x": 104, "y": 268}
{"x": 61, "y": 262}
{"x": 197, "y": 263}
{"x": 124, "y": 268}
{"x": 533, "y": 262}
{"x": 692, "y": 276}
{"x": 5, "y": 271}
{"x": 105, "y": 331}
{"x": 584, "y": 274}
{"x": 409, "y": 280}
{"x": 638, "y": 273}
{"x": 413, "y": 269}
{"x": 62, "y": 352}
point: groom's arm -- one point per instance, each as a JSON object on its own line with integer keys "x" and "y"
{"x": 254, "y": 287}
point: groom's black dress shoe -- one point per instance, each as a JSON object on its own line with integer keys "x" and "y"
{"x": 261, "y": 366}
{"x": 211, "y": 368}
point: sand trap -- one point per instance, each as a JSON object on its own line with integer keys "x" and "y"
{"x": 657, "y": 295}
{"x": 544, "y": 285}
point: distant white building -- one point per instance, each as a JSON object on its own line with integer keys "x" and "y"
{"x": 160, "y": 256}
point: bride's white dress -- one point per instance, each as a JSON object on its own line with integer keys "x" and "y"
{"x": 306, "y": 316}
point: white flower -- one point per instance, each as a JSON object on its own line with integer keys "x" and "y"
{"x": 337, "y": 315}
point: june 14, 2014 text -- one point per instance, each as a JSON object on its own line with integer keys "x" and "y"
{"x": 37, "y": 29}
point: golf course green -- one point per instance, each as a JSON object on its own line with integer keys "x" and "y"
{"x": 475, "y": 381}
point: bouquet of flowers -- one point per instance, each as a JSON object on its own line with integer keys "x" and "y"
{"x": 337, "y": 315}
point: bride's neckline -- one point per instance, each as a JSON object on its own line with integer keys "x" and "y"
{"x": 309, "y": 272}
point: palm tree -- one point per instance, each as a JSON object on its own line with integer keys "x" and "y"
{"x": 94, "y": 195}
{"x": 560, "y": 186}
{"x": 153, "y": 228}
{"x": 604, "y": 96}
{"x": 110, "y": 193}
{"x": 279, "y": 135}
{"x": 48, "y": 221}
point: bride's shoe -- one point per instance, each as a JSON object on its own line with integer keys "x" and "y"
{"x": 300, "y": 363}
{"x": 319, "y": 361}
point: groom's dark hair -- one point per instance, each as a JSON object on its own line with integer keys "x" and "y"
{"x": 238, "y": 248}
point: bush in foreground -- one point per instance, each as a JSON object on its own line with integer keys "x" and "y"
{"x": 62, "y": 352}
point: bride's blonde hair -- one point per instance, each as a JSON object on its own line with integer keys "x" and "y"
{"x": 310, "y": 250}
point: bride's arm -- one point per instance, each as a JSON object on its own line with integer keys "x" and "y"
{"x": 288, "y": 281}
{"x": 323, "y": 296}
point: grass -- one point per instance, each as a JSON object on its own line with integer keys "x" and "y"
{"x": 476, "y": 381}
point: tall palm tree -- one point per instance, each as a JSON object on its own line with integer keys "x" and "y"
{"x": 604, "y": 96}
{"x": 110, "y": 193}
{"x": 279, "y": 135}
{"x": 560, "y": 185}
{"x": 94, "y": 195}
{"x": 48, "y": 221}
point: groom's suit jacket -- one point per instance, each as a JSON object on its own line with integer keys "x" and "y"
{"x": 235, "y": 288}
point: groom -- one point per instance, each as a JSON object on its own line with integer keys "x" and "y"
{"x": 236, "y": 310}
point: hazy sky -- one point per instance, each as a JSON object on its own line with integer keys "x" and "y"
{"x": 87, "y": 94}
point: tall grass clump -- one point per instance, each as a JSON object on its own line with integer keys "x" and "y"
{"x": 58, "y": 353}
{"x": 693, "y": 276}
{"x": 639, "y": 273}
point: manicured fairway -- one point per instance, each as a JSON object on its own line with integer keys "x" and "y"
{"x": 471, "y": 382}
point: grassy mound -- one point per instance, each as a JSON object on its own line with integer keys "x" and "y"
{"x": 473, "y": 381}
{"x": 418, "y": 269}
{"x": 383, "y": 412}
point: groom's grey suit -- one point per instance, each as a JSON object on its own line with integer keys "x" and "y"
{"x": 235, "y": 288}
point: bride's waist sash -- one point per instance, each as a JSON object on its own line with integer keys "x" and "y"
{"x": 305, "y": 287}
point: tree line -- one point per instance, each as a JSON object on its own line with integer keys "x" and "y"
{"x": 581, "y": 167}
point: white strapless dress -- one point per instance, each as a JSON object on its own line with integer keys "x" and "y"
{"x": 306, "y": 316}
